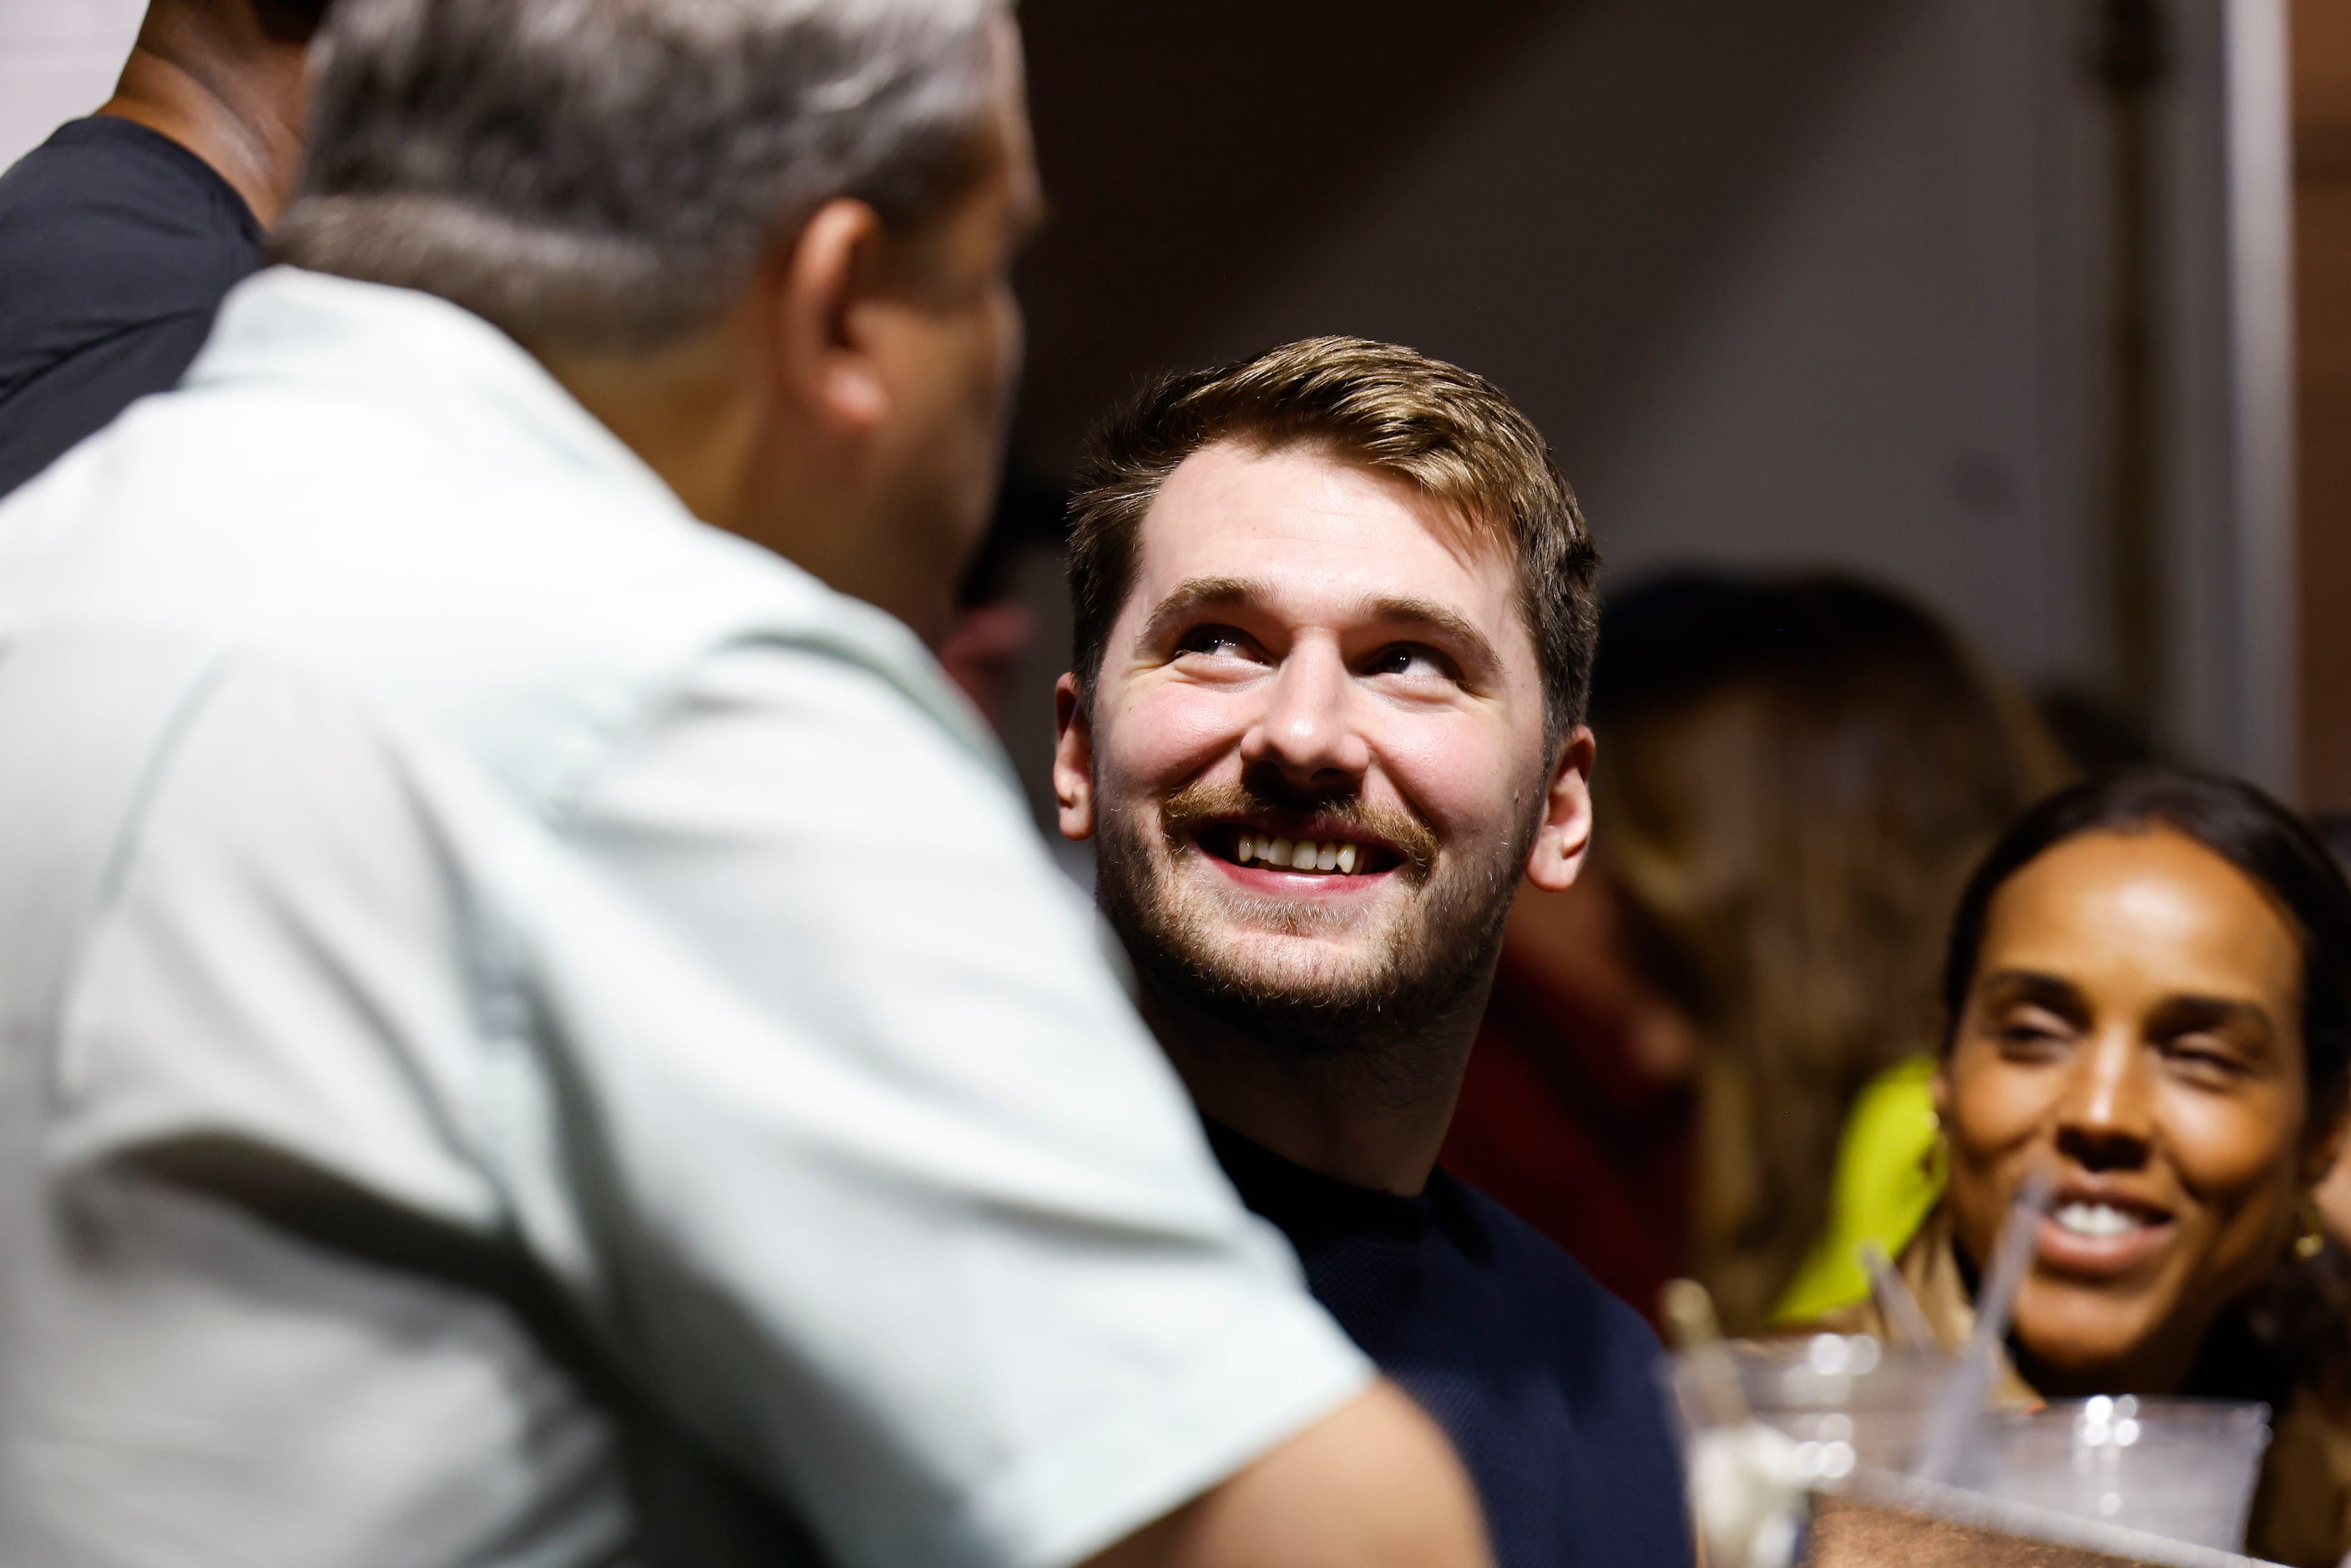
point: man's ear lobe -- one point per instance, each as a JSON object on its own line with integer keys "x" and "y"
{"x": 818, "y": 285}
{"x": 1073, "y": 759}
{"x": 1566, "y": 836}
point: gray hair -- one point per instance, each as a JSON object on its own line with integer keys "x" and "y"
{"x": 608, "y": 172}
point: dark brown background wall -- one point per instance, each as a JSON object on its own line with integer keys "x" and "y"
{"x": 1194, "y": 148}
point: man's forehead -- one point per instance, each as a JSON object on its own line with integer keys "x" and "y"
{"x": 1301, "y": 522}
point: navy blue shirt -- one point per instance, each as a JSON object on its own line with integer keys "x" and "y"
{"x": 1547, "y": 1384}
{"x": 116, "y": 245}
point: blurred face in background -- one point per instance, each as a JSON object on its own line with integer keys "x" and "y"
{"x": 1315, "y": 755}
{"x": 1800, "y": 775}
{"x": 2133, "y": 1027}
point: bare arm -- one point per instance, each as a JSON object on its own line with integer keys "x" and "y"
{"x": 1372, "y": 1484}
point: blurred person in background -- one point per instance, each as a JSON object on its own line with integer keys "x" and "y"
{"x": 2148, "y": 995}
{"x": 1794, "y": 778}
{"x": 120, "y": 235}
{"x": 536, "y": 1027}
{"x": 1333, "y": 610}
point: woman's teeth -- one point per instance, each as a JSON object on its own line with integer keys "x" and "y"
{"x": 2097, "y": 1219}
{"x": 1304, "y": 854}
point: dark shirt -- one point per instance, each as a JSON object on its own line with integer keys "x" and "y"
{"x": 1556, "y": 1124}
{"x": 116, "y": 245}
{"x": 1547, "y": 1384}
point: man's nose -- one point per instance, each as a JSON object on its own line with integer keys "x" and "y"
{"x": 2105, "y": 1115}
{"x": 1308, "y": 729}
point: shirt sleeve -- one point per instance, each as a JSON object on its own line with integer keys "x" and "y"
{"x": 914, "y": 1221}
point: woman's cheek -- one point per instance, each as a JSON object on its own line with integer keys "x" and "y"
{"x": 1995, "y": 1104}
{"x": 1980, "y": 1131}
{"x": 2224, "y": 1144}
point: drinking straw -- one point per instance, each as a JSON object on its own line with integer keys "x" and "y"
{"x": 1906, "y": 1321}
{"x": 1961, "y": 1400}
{"x": 1691, "y": 1323}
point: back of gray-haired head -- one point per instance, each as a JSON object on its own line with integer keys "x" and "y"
{"x": 608, "y": 172}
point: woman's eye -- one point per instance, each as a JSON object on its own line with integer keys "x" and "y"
{"x": 2030, "y": 1035}
{"x": 2204, "y": 1057}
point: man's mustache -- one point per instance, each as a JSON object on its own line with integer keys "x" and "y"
{"x": 1201, "y": 803}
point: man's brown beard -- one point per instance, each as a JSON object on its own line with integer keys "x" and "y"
{"x": 1432, "y": 958}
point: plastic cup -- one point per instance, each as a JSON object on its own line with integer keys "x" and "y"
{"x": 2183, "y": 1469}
{"x": 1806, "y": 1414}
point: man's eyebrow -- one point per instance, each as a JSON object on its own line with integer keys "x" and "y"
{"x": 1448, "y": 624}
{"x": 1191, "y": 595}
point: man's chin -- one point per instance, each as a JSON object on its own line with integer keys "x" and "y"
{"x": 1319, "y": 991}
{"x": 1314, "y": 975}
{"x": 1301, "y": 971}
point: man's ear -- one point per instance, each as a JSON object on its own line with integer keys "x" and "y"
{"x": 819, "y": 285}
{"x": 1565, "y": 835}
{"x": 1073, "y": 758}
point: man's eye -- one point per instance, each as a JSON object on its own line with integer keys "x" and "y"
{"x": 1413, "y": 660}
{"x": 1213, "y": 642}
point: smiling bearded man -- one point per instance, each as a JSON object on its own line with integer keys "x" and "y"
{"x": 1334, "y": 625}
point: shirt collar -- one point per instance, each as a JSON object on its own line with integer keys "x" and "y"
{"x": 320, "y": 331}
{"x": 285, "y": 322}
{"x": 1313, "y": 1209}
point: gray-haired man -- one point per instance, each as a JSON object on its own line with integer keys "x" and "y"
{"x": 534, "y": 1031}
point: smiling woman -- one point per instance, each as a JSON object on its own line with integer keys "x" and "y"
{"x": 2147, "y": 989}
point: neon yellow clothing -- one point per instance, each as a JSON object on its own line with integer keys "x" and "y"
{"x": 1889, "y": 1174}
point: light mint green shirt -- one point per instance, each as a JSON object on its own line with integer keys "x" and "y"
{"x": 510, "y": 997}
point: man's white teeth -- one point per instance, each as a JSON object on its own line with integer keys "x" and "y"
{"x": 1305, "y": 854}
{"x": 2097, "y": 1219}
